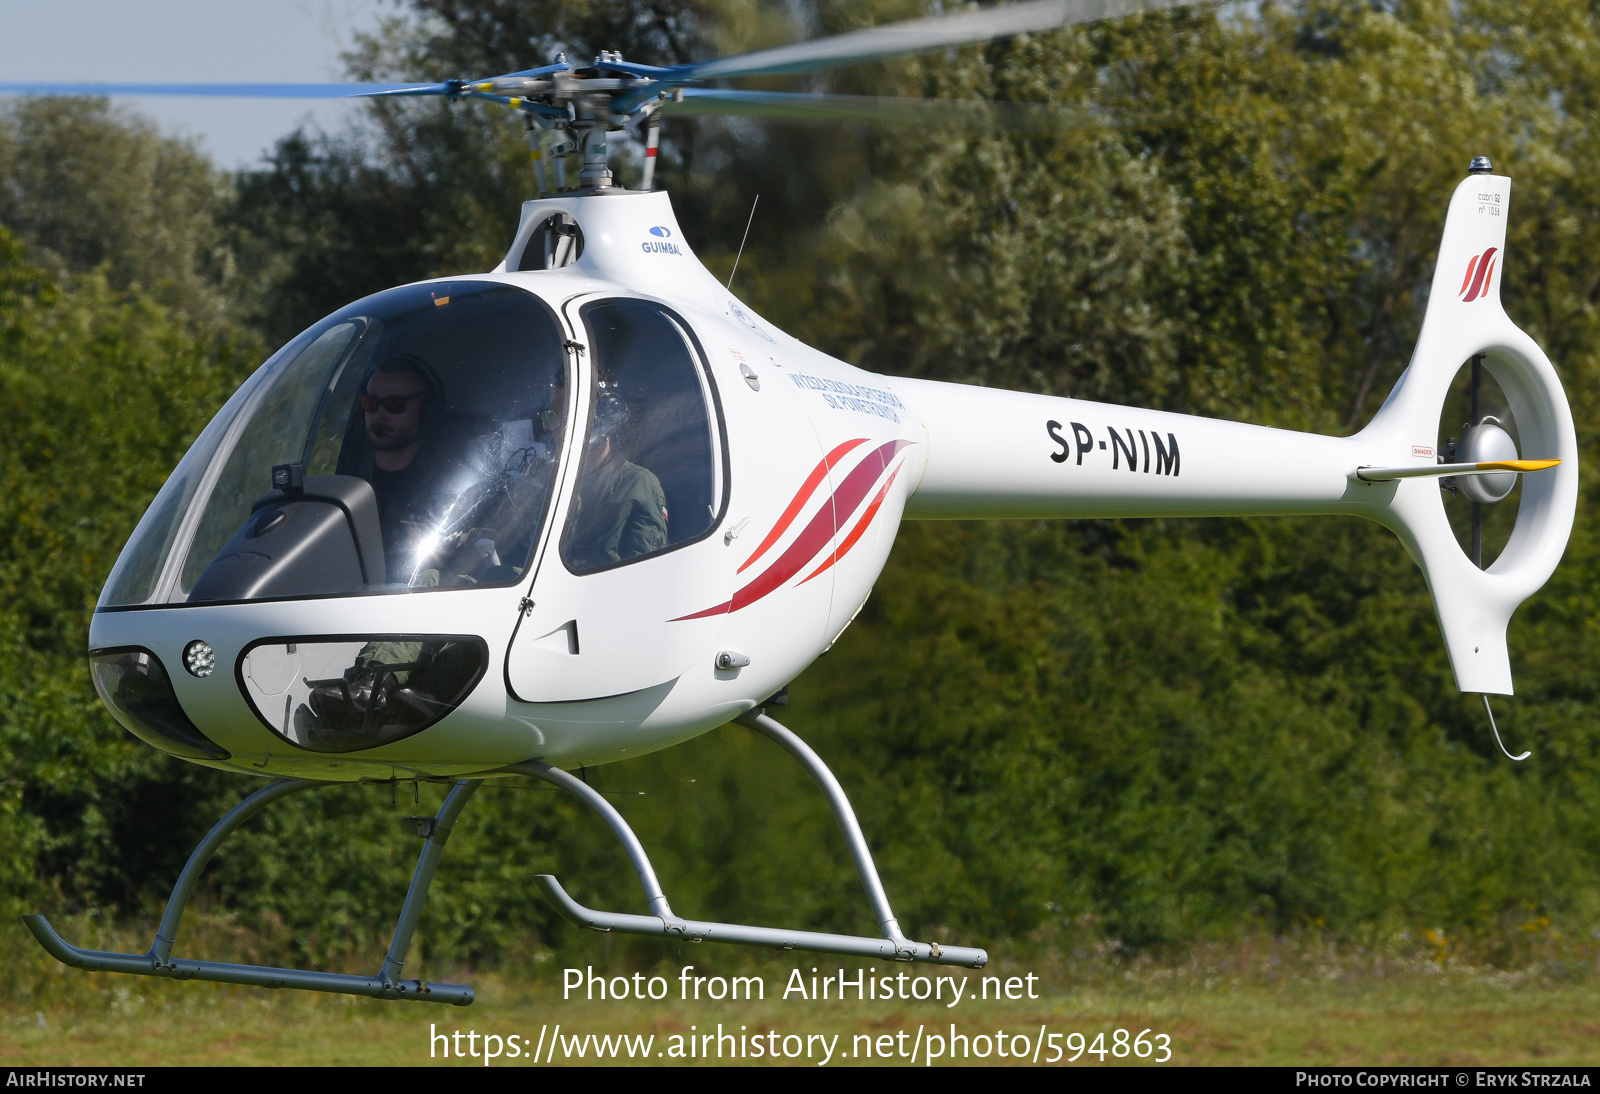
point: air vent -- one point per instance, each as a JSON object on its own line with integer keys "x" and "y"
{"x": 555, "y": 242}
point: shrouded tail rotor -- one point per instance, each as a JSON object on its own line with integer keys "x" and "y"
{"x": 1466, "y": 323}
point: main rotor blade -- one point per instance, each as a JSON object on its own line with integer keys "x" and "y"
{"x": 246, "y": 91}
{"x": 796, "y": 106}
{"x": 919, "y": 35}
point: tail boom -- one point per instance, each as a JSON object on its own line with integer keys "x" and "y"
{"x": 999, "y": 454}
{"x": 995, "y": 454}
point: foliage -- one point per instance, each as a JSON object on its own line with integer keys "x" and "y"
{"x": 89, "y": 188}
{"x": 101, "y": 393}
{"x": 1152, "y": 732}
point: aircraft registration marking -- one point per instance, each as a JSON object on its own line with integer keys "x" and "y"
{"x": 1135, "y": 450}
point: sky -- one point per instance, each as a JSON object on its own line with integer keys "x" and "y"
{"x": 186, "y": 41}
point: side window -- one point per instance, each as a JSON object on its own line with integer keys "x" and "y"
{"x": 276, "y": 433}
{"x": 651, "y": 474}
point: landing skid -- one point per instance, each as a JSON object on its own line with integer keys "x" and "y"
{"x": 663, "y": 923}
{"x": 158, "y": 960}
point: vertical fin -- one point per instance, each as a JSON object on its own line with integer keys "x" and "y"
{"x": 1464, "y": 318}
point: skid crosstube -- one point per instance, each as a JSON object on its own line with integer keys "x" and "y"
{"x": 254, "y": 975}
{"x": 386, "y": 984}
{"x": 662, "y": 923}
{"x": 691, "y": 930}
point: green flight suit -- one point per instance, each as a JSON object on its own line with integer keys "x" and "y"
{"x": 621, "y": 513}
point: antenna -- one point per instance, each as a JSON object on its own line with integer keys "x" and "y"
{"x": 740, "y": 255}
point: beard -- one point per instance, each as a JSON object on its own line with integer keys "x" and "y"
{"x": 385, "y": 438}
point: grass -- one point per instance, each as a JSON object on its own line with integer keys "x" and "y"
{"x": 1267, "y": 1003}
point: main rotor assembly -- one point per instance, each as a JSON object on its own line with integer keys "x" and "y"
{"x": 585, "y": 103}
{"x": 611, "y": 93}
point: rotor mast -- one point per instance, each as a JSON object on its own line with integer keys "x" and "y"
{"x": 587, "y": 103}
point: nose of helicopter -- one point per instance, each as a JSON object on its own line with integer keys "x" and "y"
{"x": 360, "y": 612}
{"x": 406, "y": 445}
{"x": 294, "y": 691}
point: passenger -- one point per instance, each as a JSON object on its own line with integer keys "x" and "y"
{"x": 620, "y": 511}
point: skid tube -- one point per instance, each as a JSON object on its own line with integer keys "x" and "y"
{"x": 663, "y": 923}
{"x": 386, "y": 984}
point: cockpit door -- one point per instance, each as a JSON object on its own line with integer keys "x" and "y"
{"x": 645, "y": 489}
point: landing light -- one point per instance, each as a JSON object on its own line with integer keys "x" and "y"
{"x": 199, "y": 658}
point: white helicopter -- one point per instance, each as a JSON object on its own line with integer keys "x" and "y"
{"x": 588, "y": 505}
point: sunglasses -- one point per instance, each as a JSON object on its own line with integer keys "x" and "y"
{"x": 394, "y": 404}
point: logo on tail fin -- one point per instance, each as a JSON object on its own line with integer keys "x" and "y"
{"x": 1480, "y": 272}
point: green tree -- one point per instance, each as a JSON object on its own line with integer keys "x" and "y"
{"x": 92, "y": 188}
{"x": 1151, "y": 731}
{"x": 101, "y": 392}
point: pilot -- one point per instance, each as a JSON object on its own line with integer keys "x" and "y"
{"x": 396, "y": 401}
{"x": 620, "y": 511}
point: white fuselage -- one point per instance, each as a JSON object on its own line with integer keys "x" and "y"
{"x": 822, "y": 462}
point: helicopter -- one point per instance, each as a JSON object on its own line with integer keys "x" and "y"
{"x": 588, "y": 505}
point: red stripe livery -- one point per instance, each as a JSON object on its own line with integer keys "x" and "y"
{"x": 824, "y": 524}
{"x": 800, "y": 499}
{"x": 1474, "y": 287}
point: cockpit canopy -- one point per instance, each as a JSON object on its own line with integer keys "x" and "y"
{"x": 421, "y": 416}
{"x": 411, "y": 440}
